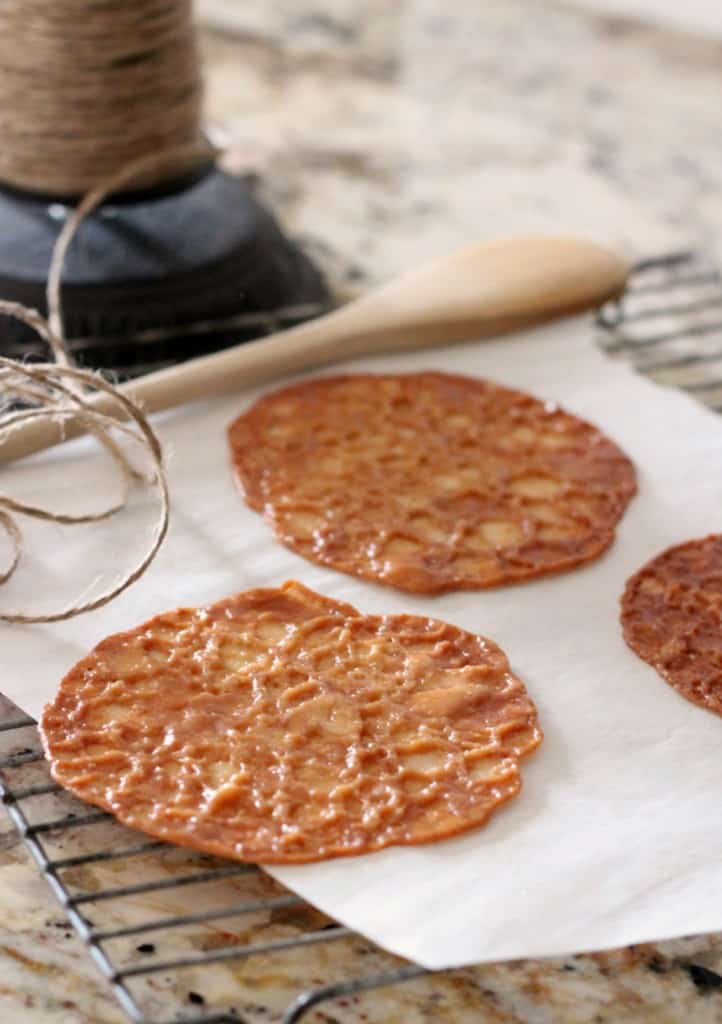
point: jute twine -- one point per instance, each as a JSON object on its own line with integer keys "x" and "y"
{"x": 88, "y": 86}
{"x": 50, "y": 389}
{"x": 59, "y": 391}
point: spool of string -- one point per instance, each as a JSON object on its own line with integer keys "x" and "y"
{"x": 89, "y": 87}
{"x": 181, "y": 260}
{"x": 97, "y": 98}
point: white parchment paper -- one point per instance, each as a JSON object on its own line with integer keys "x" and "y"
{"x": 617, "y": 834}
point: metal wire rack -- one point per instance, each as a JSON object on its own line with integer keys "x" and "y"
{"x": 668, "y": 324}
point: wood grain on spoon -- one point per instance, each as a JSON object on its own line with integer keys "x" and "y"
{"x": 477, "y": 292}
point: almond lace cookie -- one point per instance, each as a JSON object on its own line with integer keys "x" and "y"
{"x": 672, "y": 618}
{"x": 279, "y": 726}
{"x": 430, "y": 482}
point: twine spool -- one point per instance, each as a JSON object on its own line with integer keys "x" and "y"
{"x": 98, "y": 96}
{"x": 187, "y": 261}
{"x": 89, "y": 86}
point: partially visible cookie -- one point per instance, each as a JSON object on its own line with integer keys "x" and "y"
{"x": 672, "y": 618}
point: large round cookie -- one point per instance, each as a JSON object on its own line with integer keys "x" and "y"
{"x": 280, "y": 727}
{"x": 430, "y": 482}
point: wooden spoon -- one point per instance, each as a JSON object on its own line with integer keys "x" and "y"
{"x": 477, "y": 292}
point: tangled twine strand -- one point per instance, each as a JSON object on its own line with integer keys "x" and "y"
{"x": 61, "y": 391}
{"x": 42, "y": 384}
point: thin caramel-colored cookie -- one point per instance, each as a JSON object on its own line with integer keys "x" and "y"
{"x": 430, "y": 482}
{"x": 672, "y": 618}
{"x": 280, "y": 727}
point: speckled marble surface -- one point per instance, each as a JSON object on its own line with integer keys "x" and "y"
{"x": 392, "y": 131}
{"x": 383, "y": 133}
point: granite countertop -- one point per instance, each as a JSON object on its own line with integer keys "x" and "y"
{"x": 384, "y": 133}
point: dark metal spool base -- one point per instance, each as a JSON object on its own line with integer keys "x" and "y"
{"x": 157, "y": 277}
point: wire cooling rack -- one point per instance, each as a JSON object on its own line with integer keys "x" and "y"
{"x": 668, "y": 324}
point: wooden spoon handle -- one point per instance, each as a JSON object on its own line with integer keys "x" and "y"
{"x": 477, "y": 292}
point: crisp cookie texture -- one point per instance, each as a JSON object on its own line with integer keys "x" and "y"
{"x": 430, "y": 482}
{"x": 278, "y": 726}
{"x": 672, "y": 618}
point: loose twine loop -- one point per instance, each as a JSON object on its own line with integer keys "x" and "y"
{"x": 60, "y": 391}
